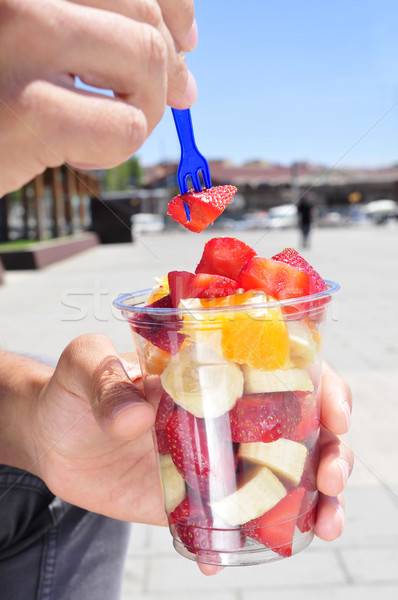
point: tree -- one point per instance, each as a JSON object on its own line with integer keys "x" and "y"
{"x": 123, "y": 176}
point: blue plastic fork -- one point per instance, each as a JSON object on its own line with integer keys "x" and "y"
{"x": 192, "y": 162}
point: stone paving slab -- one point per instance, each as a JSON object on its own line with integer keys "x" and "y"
{"x": 372, "y": 565}
{"x": 313, "y": 568}
{"x": 351, "y": 592}
{"x": 365, "y": 553}
{"x": 41, "y": 312}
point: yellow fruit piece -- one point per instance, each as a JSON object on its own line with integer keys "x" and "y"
{"x": 159, "y": 290}
{"x": 261, "y": 343}
{"x": 255, "y": 336}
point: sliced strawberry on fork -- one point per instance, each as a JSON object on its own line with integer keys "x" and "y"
{"x": 196, "y": 210}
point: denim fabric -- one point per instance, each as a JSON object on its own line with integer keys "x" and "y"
{"x": 51, "y": 550}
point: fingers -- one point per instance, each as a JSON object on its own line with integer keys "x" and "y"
{"x": 336, "y": 404}
{"x": 132, "y": 62}
{"x": 336, "y": 457}
{"x": 89, "y": 366}
{"x": 179, "y": 17}
{"x": 335, "y": 464}
{"x": 209, "y": 569}
{"x": 125, "y": 45}
{"x": 134, "y": 48}
{"x": 181, "y": 34}
{"x": 330, "y": 517}
{"x": 68, "y": 126}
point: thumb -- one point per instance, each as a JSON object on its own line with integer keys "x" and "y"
{"x": 118, "y": 405}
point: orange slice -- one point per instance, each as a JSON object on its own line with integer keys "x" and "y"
{"x": 256, "y": 336}
{"x": 156, "y": 359}
{"x": 159, "y": 290}
{"x": 258, "y": 340}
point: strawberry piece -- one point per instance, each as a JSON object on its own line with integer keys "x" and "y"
{"x": 183, "y": 284}
{"x": 275, "y": 278}
{"x": 308, "y": 479}
{"x": 193, "y": 522}
{"x": 162, "y": 331}
{"x": 203, "y": 207}
{"x": 165, "y": 408}
{"x": 264, "y": 417}
{"x": 225, "y": 256}
{"x": 202, "y": 453}
{"x": 310, "y": 420}
{"x": 307, "y": 518}
{"x": 291, "y": 257}
{"x": 275, "y": 529}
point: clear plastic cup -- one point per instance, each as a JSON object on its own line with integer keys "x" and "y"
{"x": 237, "y": 391}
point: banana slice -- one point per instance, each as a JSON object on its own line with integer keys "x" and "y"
{"x": 278, "y": 380}
{"x": 302, "y": 345}
{"x": 202, "y": 382}
{"x": 173, "y": 483}
{"x": 284, "y": 457}
{"x": 255, "y": 497}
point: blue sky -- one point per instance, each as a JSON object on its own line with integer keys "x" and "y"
{"x": 292, "y": 80}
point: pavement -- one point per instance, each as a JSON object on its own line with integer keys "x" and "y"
{"x": 40, "y": 312}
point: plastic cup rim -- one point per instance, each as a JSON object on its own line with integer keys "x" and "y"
{"x": 120, "y": 303}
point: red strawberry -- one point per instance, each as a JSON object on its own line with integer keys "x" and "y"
{"x": 202, "y": 208}
{"x": 202, "y": 453}
{"x": 308, "y": 479}
{"x": 307, "y": 518}
{"x": 183, "y": 284}
{"x": 162, "y": 331}
{"x": 275, "y": 278}
{"x": 310, "y": 420}
{"x": 264, "y": 417}
{"x": 275, "y": 529}
{"x": 291, "y": 257}
{"x": 165, "y": 408}
{"x": 193, "y": 522}
{"x": 224, "y": 256}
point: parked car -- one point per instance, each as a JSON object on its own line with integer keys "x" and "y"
{"x": 282, "y": 217}
{"x": 381, "y": 211}
{"x": 147, "y": 223}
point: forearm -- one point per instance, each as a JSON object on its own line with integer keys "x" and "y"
{"x": 21, "y": 380}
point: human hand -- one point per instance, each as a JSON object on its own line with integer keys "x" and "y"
{"x": 336, "y": 457}
{"x": 134, "y": 47}
{"x": 90, "y": 428}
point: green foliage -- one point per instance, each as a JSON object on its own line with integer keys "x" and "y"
{"x": 123, "y": 176}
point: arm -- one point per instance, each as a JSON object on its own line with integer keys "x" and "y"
{"x": 21, "y": 381}
{"x": 84, "y": 429}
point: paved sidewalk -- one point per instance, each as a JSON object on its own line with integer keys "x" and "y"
{"x": 40, "y": 312}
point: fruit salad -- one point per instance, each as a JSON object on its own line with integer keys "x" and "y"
{"x": 230, "y": 356}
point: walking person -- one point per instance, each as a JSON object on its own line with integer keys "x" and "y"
{"x": 304, "y": 209}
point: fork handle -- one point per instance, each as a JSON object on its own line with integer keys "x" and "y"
{"x": 183, "y": 122}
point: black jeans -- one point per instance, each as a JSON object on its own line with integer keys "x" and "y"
{"x": 51, "y": 550}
